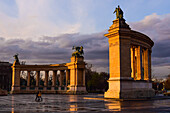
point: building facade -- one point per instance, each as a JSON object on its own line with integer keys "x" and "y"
{"x": 5, "y": 76}
{"x": 73, "y": 73}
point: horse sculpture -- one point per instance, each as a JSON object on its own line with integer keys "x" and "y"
{"x": 78, "y": 51}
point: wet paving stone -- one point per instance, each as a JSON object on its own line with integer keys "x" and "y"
{"x": 53, "y": 103}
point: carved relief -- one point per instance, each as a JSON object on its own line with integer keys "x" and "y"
{"x": 113, "y": 44}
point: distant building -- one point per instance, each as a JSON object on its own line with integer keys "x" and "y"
{"x": 5, "y": 75}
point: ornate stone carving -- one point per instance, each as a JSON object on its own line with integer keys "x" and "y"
{"x": 119, "y": 13}
{"x": 78, "y": 51}
{"x": 16, "y": 58}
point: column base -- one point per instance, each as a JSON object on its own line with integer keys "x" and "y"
{"x": 52, "y": 88}
{"x": 130, "y": 94}
{"x": 123, "y": 89}
{"x": 77, "y": 90}
{"x": 65, "y": 88}
{"x": 59, "y": 88}
{"x": 45, "y": 88}
{"x": 27, "y": 88}
{"x": 36, "y": 88}
{"x": 3, "y": 92}
{"x": 15, "y": 89}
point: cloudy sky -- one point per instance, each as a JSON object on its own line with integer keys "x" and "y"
{"x": 44, "y": 31}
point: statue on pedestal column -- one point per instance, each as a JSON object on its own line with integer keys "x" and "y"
{"x": 119, "y": 13}
{"x": 78, "y": 51}
{"x": 16, "y": 58}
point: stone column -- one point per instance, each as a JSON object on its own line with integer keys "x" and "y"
{"x": 84, "y": 77}
{"x": 61, "y": 77}
{"x": 133, "y": 73}
{"x": 46, "y": 80}
{"x": 77, "y": 77}
{"x": 37, "y": 79}
{"x": 15, "y": 80}
{"x": 139, "y": 63}
{"x": 143, "y": 62}
{"x": 72, "y": 77}
{"x": 28, "y": 80}
{"x": 76, "y": 66}
{"x": 67, "y": 76}
{"x": 149, "y": 64}
{"x": 146, "y": 58}
{"x": 54, "y": 80}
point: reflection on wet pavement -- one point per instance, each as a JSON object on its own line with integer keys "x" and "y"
{"x": 115, "y": 106}
{"x": 78, "y": 103}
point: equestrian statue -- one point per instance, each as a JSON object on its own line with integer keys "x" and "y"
{"x": 78, "y": 51}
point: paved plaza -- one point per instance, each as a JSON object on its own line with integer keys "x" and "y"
{"x": 78, "y": 103}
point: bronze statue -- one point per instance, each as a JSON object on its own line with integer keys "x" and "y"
{"x": 78, "y": 51}
{"x": 16, "y": 58}
{"x": 119, "y": 13}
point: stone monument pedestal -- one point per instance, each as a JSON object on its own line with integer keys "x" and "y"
{"x": 129, "y": 63}
{"x": 3, "y": 92}
{"x": 129, "y": 89}
{"x": 77, "y": 76}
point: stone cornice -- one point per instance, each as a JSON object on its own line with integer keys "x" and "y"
{"x": 121, "y": 29}
{"x": 135, "y": 37}
{"x": 141, "y": 37}
{"x": 40, "y": 67}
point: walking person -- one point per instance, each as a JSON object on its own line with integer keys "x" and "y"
{"x": 36, "y": 99}
{"x": 38, "y": 96}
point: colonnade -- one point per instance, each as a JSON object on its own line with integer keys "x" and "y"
{"x": 72, "y": 73}
{"x": 46, "y": 79}
{"x": 130, "y": 62}
{"x": 140, "y": 63}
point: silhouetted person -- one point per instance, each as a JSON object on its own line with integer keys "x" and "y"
{"x": 38, "y": 96}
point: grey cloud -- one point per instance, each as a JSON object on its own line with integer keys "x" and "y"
{"x": 58, "y": 49}
{"x": 161, "y": 48}
{"x": 15, "y": 41}
{"x": 97, "y": 54}
{"x": 161, "y": 61}
{"x": 2, "y": 39}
